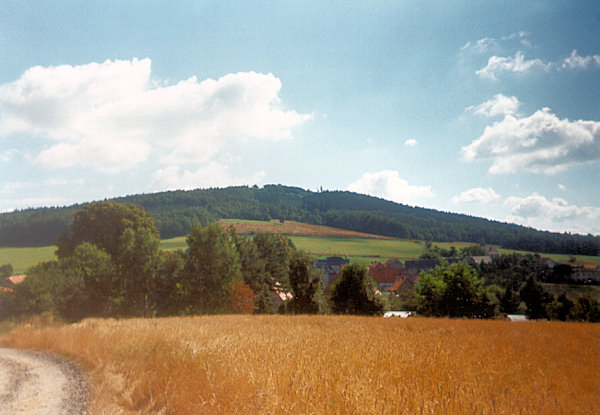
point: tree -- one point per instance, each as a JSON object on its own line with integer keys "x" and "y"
{"x": 6, "y": 271}
{"x": 165, "y": 296}
{"x": 254, "y": 273}
{"x": 242, "y": 298}
{"x": 274, "y": 252}
{"x": 137, "y": 263}
{"x": 93, "y": 283}
{"x": 453, "y": 290}
{"x": 212, "y": 266}
{"x": 586, "y": 308}
{"x": 474, "y": 250}
{"x": 103, "y": 224}
{"x": 356, "y": 293}
{"x": 126, "y": 233}
{"x": 509, "y": 300}
{"x": 560, "y": 309}
{"x": 536, "y": 299}
{"x": 305, "y": 282}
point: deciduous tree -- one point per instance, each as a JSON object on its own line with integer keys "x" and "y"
{"x": 212, "y": 265}
{"x": 453, "y": 290}
{"x": 305, "y": 282}
{"x": 356, "y": 293}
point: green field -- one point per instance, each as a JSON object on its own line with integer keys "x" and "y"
{"x": 23, "y": 258}
{"x": 558, "y": 258}
{"x": 361, "y": 250}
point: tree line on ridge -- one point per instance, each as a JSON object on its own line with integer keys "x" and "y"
{"x": 176, "y": 212}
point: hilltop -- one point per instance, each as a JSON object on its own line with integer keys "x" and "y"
{"x": 176, "y": 211}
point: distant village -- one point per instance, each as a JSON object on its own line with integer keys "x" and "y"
{"x": 395, "y": 275}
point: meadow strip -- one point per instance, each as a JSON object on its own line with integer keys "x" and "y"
{"x": 330, "y": 364}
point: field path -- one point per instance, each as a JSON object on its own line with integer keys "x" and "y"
{"x": 35, "y": 383}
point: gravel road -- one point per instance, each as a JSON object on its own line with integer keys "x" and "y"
{"x": 33, "y": 383}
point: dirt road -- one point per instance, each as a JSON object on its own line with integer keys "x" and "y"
{"x": 34, "y": 383}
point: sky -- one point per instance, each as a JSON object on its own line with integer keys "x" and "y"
{"x": 488, "y": 108}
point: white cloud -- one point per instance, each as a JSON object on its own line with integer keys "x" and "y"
{"x": 556, "y": 210}
{"x": 212, "y": 174}
{"x": 8, "y": 155}
{"x": 33, "y": 202}
{"x": 516, "y": 64}
{"x": 540, "y": 143}
{"x": 486, "y": 43}
{"x": 476, "y": 195}
{"x": 13, "y": 187}
{"x": 562, "y": 187}
{"x": 411, "y": 143}
{"x": 387, "y": 184}
{"x": 111, "y": 115}
{"x": 575, "y": 61}
{"x": 499, "y": 105}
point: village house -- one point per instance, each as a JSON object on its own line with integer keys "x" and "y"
{"x": 491, "y": 251}
{"x": 415, "y": 267}
{"x": 545, "y": 262}
{"x": 16, "y": 279}
{"x": 384, "y": 275}
{"x": 588, "y": 274}
{"x": 478, "y": 260}
{"x": 331, "y": 267}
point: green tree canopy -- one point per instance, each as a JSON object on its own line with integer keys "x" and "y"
{"x": 103, "y": 224}
{"x": 305, "y": 282}
{"x": 455, "y": 291}
{"x": 356, "y": 293}
{"x": 212, "y": 265}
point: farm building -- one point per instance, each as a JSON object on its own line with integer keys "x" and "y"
{"x": 515, "y": 317}
{"x": 331, "y": 267}
{"x": 416, "y": 266}
{"x": 545, "y": 262}
{"x": 491, "y": 251}
{"x": 401, "y": 314}
{"x": 589, "y": 274}
{"x": 16, "y": 279}
{"x": 478, "y": 260}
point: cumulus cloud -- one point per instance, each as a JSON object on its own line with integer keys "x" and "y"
{"x": 540, "y": 143}
{"x": 112, "y": 115}
{"x": 556, "y": 210}
{"x": 387, "y": 184}
{"x": 575, "y": 61}
{"x": 516, "y": 64}
{"x": 212, "y": 174}
{"x": 411, "y": 143}
{"x": 476, "y": 195}
{"x": 499, "y": 105}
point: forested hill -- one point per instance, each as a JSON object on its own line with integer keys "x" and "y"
{"x": 176, "y": 211}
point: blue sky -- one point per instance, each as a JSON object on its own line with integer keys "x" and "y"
{"x": 485, "y": 108}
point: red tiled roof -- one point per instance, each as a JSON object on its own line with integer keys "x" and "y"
{"x": 16, "y": 279}
{"x": 383, "y": 274}
{"x": 396, "y": 285}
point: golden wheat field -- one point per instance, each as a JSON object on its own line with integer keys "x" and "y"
{"x": 329, "y": 365}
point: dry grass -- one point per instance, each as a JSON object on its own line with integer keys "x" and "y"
{"x": 330, "y": 365}
{"x": 290, "y": 227}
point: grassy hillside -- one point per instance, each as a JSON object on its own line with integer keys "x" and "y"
{"x": 320, "y": 241}
{"x": 23, "y": 258}
{"x": 176, "y": 212}
{"x": 329, "y": 365}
